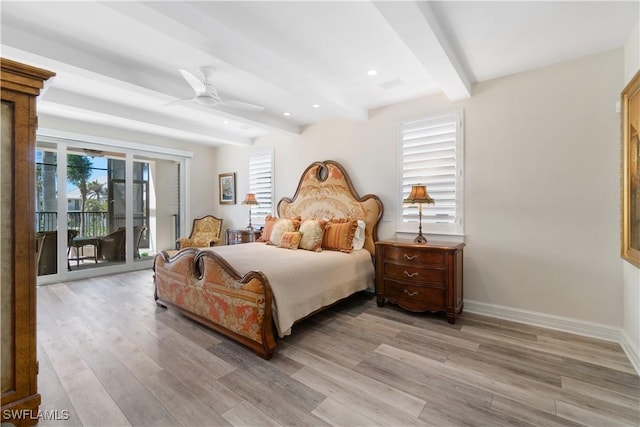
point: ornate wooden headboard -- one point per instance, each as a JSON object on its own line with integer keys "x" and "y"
{"x": 325, "y": 191}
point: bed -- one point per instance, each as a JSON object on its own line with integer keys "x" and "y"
{"x": 255, "y": 292}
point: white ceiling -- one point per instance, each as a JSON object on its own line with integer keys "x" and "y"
{"x": 117, "y": 62}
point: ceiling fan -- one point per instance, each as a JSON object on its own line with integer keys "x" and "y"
{"x": 207, "y": 95}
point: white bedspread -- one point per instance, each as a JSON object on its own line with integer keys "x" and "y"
{"x": 302, "y": 281}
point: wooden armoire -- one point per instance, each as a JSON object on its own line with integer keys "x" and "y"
{"x": 20, "y": 86}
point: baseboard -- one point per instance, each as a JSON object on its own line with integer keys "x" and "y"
{"x": 630, "y": 350}
{"x": 559, "y": 323}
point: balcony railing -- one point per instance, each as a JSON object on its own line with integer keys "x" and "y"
{"x": 95, "y": 223}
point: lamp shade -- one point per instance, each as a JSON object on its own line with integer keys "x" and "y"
{"x": 250, "y": 199}
{"x": 419, "y": 195}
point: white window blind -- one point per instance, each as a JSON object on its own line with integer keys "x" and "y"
{"x": 261, "y": 184}
{"x": 431, "y": 154}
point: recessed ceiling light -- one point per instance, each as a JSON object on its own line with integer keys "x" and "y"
{"x": 316, "y": 105}
{"x": 226, "y": 122}
{"x": 372, "y": 72}
{"x": 287, "y": 113}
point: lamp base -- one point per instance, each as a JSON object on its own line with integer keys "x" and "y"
{"x": 420, "y": 239}
{"x": 250, "y": 227}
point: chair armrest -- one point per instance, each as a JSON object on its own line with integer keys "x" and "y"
{"x": 183, "y": 242}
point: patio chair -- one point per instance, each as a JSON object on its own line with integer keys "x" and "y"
{"x": 47, "y": 251}
{"x": 112, "y": 247}
{"x": 138, "y": 230}
{"x": 205, "y": 232}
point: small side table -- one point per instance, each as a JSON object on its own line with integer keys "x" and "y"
{"x": 236, "y": 237}
{"x": 81, "y": 242}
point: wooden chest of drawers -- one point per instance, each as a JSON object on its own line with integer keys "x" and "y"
{"x": 420, "y": 277}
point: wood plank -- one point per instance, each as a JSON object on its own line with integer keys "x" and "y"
{"x": 364, "y": 405}
{"x": 606, "y": 394}
{"x": 337, "y": 414}
{"x": 183, "y": 405}
{"x": 471, "y": 377}
{"x": 64, "y": 358}
{"x": 276, "y": 396}
{"x": 588, "y": 417}
{"x": 360, "y": 384}
{"x": 93, "y": 404}
{"x": 525, "y": 414}
{"x": 134, "y": 400}
{"x": 245, "y": 414}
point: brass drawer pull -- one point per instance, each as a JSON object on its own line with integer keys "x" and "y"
{"x": 411, "y": 294}
{"x": 410, "y": 275}
{"x": 410, "y": 257}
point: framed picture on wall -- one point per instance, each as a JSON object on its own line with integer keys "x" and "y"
{"x": 227, "y": 187}
{"x": 631, "y": 171}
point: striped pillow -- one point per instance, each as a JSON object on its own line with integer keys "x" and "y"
{"x": 269, "y": 222}
{"x": 339, "y": 233}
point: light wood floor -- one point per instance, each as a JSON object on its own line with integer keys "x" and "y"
{"x": 110, "y": 357}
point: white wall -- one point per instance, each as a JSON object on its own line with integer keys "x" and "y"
{"x": 542, "y": 184}
{"x": 631, "y": 322}
{"x": 543, "y": 191}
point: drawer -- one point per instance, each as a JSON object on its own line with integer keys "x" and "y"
{"x": 423, "y": 257}
{"x": 415, "y": 275}
{"x": 416, "y": 298}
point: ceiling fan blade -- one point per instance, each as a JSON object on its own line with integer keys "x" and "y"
{"x": 197, "y": 85}
{"x": 177, "y": 101}
{"x": 234, "y": 103}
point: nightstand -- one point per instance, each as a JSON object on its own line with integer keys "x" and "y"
{"x": 420, "y": 277}
{"x": 235, "y": 237}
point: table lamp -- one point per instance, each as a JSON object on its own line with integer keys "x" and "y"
{"x": 250, "y": 199}
{"x": 419, "y": 195}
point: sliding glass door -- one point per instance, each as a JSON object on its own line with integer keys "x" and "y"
{"x": 98, "y": 208}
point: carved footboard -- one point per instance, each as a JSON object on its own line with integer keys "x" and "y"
{"x": 204, "y": 287}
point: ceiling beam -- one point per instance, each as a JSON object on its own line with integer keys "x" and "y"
{"x": 417, "y": 26}
{"x": 29, "y": 48}
{"x": 130, "y": 116}
{"x": 50, "y": 109}
{"x": 212, "y": 37}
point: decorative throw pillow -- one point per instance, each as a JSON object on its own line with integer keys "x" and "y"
{"x": 290, "y": 240}
{"x": 312, "y": 234}
{"x": 338, "y": 235}
{"x": 282, "y": 226}
{"x": 269, "y": 222}
{"x": 358, "y": 238}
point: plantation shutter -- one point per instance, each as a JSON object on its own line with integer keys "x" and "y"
{"x": 261, "y": 184}
{"x": 429, "y": 156}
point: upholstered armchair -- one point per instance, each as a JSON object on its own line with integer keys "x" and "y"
{"x": 205, "y": 232}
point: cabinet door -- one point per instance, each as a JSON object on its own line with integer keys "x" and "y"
{"x": 17, "y": 252}
{"x": 6, "y": 250}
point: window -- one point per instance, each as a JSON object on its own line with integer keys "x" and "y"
{"x": 431, "y": 154}
{"x": 261, "y": 184}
